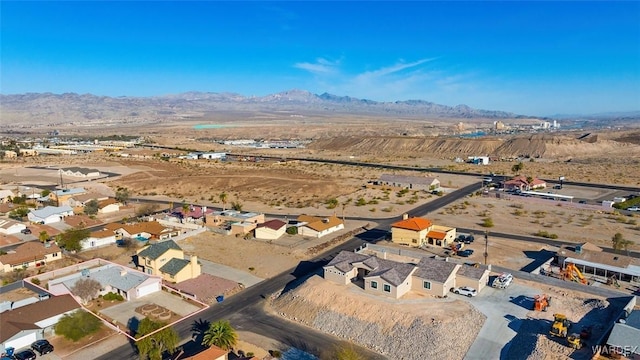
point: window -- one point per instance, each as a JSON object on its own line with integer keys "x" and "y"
{"x": 426, "y": 285}
{"x": 148, "y": 262}
{"x": 415, "y": 241}
{"x": 374, "y": 284}
{"x": 387, "y": 288}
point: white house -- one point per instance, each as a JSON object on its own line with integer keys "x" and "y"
{"x": 50, "y": 214}
{"x": 24, "y": 325}
{"x": 318, "y": 227}
{"x": 271, "y": 230}
{"x": 8, "y": 226}
{"x": 5, "y": 195}
{"x": 79, "y": 172}
{"x": 108, "y": 206}
{"x": 98, "y": 239}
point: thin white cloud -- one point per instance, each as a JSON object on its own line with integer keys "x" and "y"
{"x": 392, "y": 69}
{"x": 321, "y": 66}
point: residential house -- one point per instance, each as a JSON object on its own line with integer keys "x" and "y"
{"x": 81, "y": 200}
{"x": 234, "y": 222}
{"x": 472, "y": 276}
{"x": 409, "y": 182}
{"x": 192, "y": 214}
{"x": 148, "y": 230}
{"x": 108, "y": 206}
{"x": 435, "y": 277}
{"x": 211, "y": 353}
{"x": 167, "y": 259}
{"x": 6, "y": 195}
{"x": 391, "y": 278}
{"x": 416, "y": 232}
{"x": 28, "y": 152}
{"x": 98, "y": 239}
{"x": 49, "y": 214}
{"x": 62, "y": 197}
{"x": 129, "y": 283}
{"x": 595, "y": 263}
{"x": 6, "y": 208}
{"x": 28, "y": 255}
{"x": 270, "y": 230}
{"x": 521, "y": 183}
{"x": 79, "y": 172}
{"x": 318, "y": 227}
{"x": 624, "y": 338}
{"x": 22, "y": 326}
{"x": 9, "y": 154}
{"x": 8, "y": 226}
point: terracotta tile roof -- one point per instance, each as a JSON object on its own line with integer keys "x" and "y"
{"x": 319, "y": 223}
{"x": 102, "y": 234}
{"x": 414, "y": 223}
{"x": 151, "y": 227}
{"x": 212, "y": 353}
{"x": 80, "y": 220}
{"x": 436, "y": 235}
{"x": 8, "y": 240}
{"x": 29, "y": 251}
{"x": 7, "y": 207}
{"x": 25, "y": 317}
{"x": 274, "y": 224}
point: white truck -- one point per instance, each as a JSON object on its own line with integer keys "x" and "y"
{"x": 502, "y": 281}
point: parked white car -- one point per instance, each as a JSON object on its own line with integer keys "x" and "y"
{"x": 465, "y": 290}
{"x": 633, "y": 208}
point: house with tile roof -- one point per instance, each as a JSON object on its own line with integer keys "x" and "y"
{"x": 211, "y": 353}
{"x": 520, "y": 182}
{"x": 108, "y": 205}
{"x": 415, "y": 231}
{"x": 270, "y": 230}
{"x": 23, "y": 325}
{"x": 317, "y": 227}
{"x": 49, "y": 214}
{"x": 149, "y": 230}
{"x": 167, "y": 259}
{"x": 98, "y": 239}
{"x": 380, "y": 276}
{"x": 129, "y": 283}
{"x": 30, "y": 255}
{"x": 409, "y": 182}
{"x": 9, "y": 226}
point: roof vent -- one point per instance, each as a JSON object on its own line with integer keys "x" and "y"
{"x": 84, "y": 272}
{"x": 325, "y": 220}
{"x": 615, "y": 258}
{"x": 578, "y": 249}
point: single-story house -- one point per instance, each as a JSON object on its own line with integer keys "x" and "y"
{"x": 79, "y": 172}
{"x": 108, "y": 206}
{"x": 62, "y": 197}
{"x": 416, "y": 232}
{"x": 218, "y": 218}
{"x": 6, "y": 195}
{"x": 130, "y": 283}
{"x": 271, "y": 230}
{"x": 150, "y": 230}
{"x": 595, "y": 263}
{"x": 211, "y": 353}
{"x": 625, "y": 338}
{"x": 167, "y": 259}
{"x": 434, "y": 277}
{"x": 49, "y": 214}
{"x": 191, "y": 214}
{"x": 318, "y": 227}
{"x": 82, "y": 199}
{"x": 520, "y": 183}
{"x": 409, "y": 182}
{"x": 473, "y": 277}
{"x": 98, "y": 239}
{"x": 8, "y": 154}
{"x": 8, "y": 226}
{"x": 30, "y": 254}
{"x": 23, "y": 325}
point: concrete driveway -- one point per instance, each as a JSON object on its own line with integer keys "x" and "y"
{"x": 503, "y": 309}
{"x": 229, "y": 273}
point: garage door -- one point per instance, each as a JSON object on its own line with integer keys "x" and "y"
{"x": 148, "y": 289}
{"x": 22, "y": 342}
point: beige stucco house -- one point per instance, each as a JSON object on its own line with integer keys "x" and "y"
{"x": 473, "y": 277}
{"x": 417, "y": 231}
{"x": 166, "y": 259}
{"x": 29, "y": 255}
{"x": 317, "y": 227}
{"x": 271, "y": 230}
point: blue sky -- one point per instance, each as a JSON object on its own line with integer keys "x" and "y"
{"x": 534, "y": 58}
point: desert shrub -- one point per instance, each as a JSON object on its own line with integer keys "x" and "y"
{"x": 518, "y": 212}
{"x": 361, "y": 202}
{"x": 111, "y": 296}
{"x": 546, "y": 234}
{"x": 487, "y": 222}
{"x": 388, "y": 209}
{"x": 77, "y": 325}
{"x": 35, "y": 281}
{"x": 292, "y": 230}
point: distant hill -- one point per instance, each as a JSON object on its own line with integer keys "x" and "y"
{"x": 54, "y": 108}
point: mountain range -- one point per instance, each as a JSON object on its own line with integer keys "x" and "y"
{"x": 51, "y": 108}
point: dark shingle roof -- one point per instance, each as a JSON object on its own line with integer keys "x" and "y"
{"x": 472, "y": 272}
{"x": 627, "y": 334}
{"x": 393, "y": 272}
{"x": 436, "y": 270}
{"x": 344, "y": 259}
{"x": 154, "y": 251}
{"x": 174, "y": 266}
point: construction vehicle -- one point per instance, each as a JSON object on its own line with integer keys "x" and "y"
{"x": 541, "y": 302}
{"x": 572, "y": 273}
{"x": 575, "y": 341}
{"x": 502, "y": 281}
{"x": 613, "y": 281}
{"x": 560, "y": 326}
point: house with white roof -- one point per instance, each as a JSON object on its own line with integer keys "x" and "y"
{"x": 8, "y": 226}
{"x": 98, "y": 239}
{"x": 50, "y": 214}
{"x": 5, "y": 195}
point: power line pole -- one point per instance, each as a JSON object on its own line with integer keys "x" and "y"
{"x": 486, "y": 246}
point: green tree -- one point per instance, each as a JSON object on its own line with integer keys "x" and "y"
{"x": 517, "y": 168}
{"x": 19, "y": 213}
{"x": 92, "y": 207}
{"x": 43, "y": 236}
{"x": 185, "y": 208}
{"x": 122, "y": 195}
{"x": 619, "y": 242}
{"x": 331, "y": 203}
{"x": 45, "y": 192}
{"x": 220, "y": 334}
{"x": 345, "y": 352}
{"x": 223, "y": 199}
{"x": 236, "y": 205}
{"x": 153, "y": 346}
{"x": 77, "y": 325}
{"x": 70, "y": 239}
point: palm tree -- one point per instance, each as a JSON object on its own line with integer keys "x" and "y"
{"x": 220, "y": 334}
{"x": 43, "y": 236}
{"x": 223, "y": 198}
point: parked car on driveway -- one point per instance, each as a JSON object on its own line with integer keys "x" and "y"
{"x": 26, "y": 231}
{"x": 25, "y": 355}
{"x": 42, "y": 347}
{"x": 465, "y": 290}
